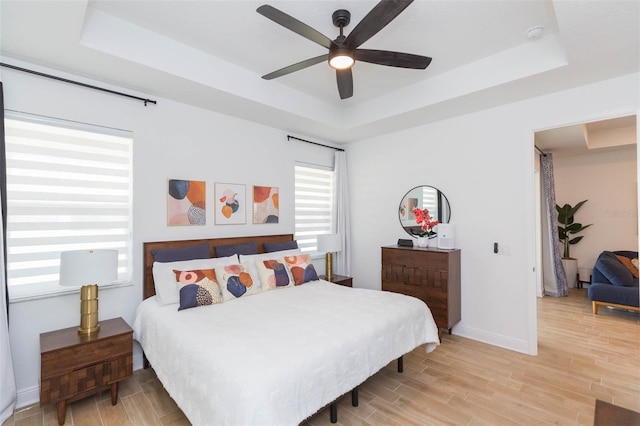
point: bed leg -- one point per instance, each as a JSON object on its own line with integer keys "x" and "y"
{"x": 400, "y": 365}
{"x": 145, "y": 362}
{"x": 354, "y": 397}
{"x": 333, "y": 408}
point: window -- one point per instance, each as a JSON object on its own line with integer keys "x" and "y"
{"x": 68, "y": 188}
{"x": 314, "y": 205}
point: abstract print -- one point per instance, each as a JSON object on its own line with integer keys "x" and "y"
{"x": 186, "y": 202}
{"x": 266, "y": 204}
{"x": 230, "y": 204}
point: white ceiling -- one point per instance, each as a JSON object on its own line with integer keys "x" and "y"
{"x": 212, "y": 54}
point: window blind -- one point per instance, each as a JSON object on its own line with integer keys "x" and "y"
{"x": 68, "y": 188}
{"x": 314, "y": 205}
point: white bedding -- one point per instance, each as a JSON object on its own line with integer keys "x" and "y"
{"x": 277, "y": 357}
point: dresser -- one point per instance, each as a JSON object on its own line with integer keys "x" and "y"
{"x": 429, "y": 274}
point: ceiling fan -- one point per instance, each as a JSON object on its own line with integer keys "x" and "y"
{"x": 344, "y": 51}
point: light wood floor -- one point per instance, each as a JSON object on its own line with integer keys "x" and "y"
{"x": 581, "y": 358}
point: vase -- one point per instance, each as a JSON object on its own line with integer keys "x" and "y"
{"x": 570, "y": 266}
{"x": 423, "y": 242}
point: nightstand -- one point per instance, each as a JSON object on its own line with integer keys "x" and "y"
{"x": 339, "y": 279}
{"x": 73, "y": 366}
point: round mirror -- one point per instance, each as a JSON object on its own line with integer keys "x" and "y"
{"x": 423, "y": 197}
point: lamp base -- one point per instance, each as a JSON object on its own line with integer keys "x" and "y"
{"x": 329, "y": 266}
{"x": 88, "y": 309}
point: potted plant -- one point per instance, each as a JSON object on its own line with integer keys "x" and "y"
{"x": 567, "y": 229}
{"x": 426, "y": 222}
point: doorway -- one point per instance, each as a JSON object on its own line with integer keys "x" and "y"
{"x": 594, "y": 161}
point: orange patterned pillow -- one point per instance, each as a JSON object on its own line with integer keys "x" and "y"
{"x": 627, "y": 262}
{"x": 197, "y": 288}
{"x": 301, "y": 268}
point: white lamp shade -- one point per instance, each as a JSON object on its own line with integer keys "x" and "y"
{"x": 82, "y": 267}
{"x": 329, "y": 243}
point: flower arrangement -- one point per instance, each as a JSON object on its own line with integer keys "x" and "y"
{"x": 426, "y": 222}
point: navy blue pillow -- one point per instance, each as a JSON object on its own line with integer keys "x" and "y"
{"x": 231, "y": 249}
{"x": 287, "y": 245}
{"x": 613, "y": 270}
{"x": 200, "y": 251}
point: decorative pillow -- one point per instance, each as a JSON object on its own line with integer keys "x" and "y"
{"x": 287, "y": 245}
{"x": 301, "y": 268}
{"x": 165, "y": 279}
{"x": 628, "y": 264}
{"x": 231, "y": 249}
{"x": 200, "y": 251}
{"x": 273, "y": 273}
{"x": 613, "y": 270}
{"x": 634, "y": 262}
{"x": 197, "y": 288}
{"x": 237, "y": 281}
{"x": 251, "y": 258}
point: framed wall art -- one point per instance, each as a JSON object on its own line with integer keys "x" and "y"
{"x": 230, "y": 204}
{"x": 186, "y": 202}
{"x": 266, "y": 204}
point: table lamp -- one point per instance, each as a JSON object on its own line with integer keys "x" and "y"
{"x": 88, "y": 269}
{"x": 329, "y": 243}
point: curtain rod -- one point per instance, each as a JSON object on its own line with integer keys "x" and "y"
{"x": 289, "y": 137}
{"x": 53, "y": 77}
{"x": 540, "y": 151}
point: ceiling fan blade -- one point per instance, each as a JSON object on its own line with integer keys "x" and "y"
{"x": 345, "y": 83}
{"x": 296, "y": 67}
{"x": 291, "y": 23}
{"x": 392, "y": 59}
{"x": 378, "y": 18}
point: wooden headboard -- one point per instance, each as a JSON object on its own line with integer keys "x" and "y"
{"x": 149, "y": 289}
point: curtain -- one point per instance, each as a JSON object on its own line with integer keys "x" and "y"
{"x": 554, "y": 280}
{"x": 343, "y": 227}
{"x": 7, "y": 379}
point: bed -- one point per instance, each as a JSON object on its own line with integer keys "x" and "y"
{"x": 275, "y": 357}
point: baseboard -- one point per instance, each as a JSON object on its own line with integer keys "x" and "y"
{"x": 499, "y": 340}
{"x": 27, "y": 397}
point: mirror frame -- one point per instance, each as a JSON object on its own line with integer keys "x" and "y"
{"x": 409, "y": 215}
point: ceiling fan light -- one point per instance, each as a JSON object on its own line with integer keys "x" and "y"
{"x": 341, "y": 59}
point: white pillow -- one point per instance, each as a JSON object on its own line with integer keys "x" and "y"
{"x": 165, "y": 279}
{"x": 251, "y": 258}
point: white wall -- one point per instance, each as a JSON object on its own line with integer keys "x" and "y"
{"x": 483, "y": 162}
{"x": 171, "y": 140}
{"x": 609, "y": 181}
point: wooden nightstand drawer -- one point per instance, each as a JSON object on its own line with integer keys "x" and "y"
{"x": 74, "y": 357}
{"x": 75, "y": 382}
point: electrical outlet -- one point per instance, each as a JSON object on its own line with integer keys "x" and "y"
{"x": 504, "y": 249}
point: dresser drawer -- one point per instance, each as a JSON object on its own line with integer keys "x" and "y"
{"x": 402, "y": 288}
{"x": 415, "y": 259}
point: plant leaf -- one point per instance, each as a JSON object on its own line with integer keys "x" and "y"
{"x": 575, "y": 240}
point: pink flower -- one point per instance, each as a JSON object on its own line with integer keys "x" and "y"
{"x": 426, "y": 222}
